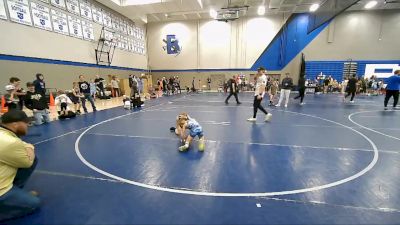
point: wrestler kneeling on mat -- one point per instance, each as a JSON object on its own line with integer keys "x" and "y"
{"x": 183, "y": 122}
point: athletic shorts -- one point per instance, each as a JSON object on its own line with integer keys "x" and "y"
{"x": 196, "y": 132}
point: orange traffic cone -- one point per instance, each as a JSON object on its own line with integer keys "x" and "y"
{"x": 4, "y": 109}
{"x": 52, "y": 103}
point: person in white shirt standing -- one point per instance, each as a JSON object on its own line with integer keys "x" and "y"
{"x": 287, "y": 84}
{"x": 261, "y": 83}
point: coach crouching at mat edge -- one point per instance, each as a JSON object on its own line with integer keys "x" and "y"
{"x": 17, "y": 162}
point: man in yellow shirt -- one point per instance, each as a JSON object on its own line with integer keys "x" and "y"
{"x": 17, "y": 162}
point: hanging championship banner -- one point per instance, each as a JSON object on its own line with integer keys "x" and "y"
{"x": 41, "y": 16}
{"x": 107, "y": 19}
{"x": 115, "y": 23}
{"x": 124, "y": 29}
{"x": 73, "y": 6}
{"x": 86, "y": 10}
{"x": 130, "y": 45}
{"x": 45, "y": 1}
{"x": 58, "y": 3}
{"x": 60, "y": 22}
{"x": 126, "y": 44}
{"x": 97, "y": 15}
{"x": 87, "y": 28}
{"x": 108, "y": 36}
{"x": 3, "y": 14}
{"x": 130, "y": 30}
{"x": 75, "y": 27}
{"x": 19, "y": 11}
{"x": 135, "y": 47}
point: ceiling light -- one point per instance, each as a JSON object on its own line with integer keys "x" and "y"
{"x": 370, "y": 4}
{"x": 314, "y": 7}
{"x": 261, "y": 10}
{"x": 213, "y": 13}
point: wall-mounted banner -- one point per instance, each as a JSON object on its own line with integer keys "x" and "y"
{"x": 86, "y": 10}
{"x": 45, "y": 1}
{"x": 73, "y": 6}
{"x": 58, "y": 3}
{"x": 60, "y": 22}
{"x": 19, "y": 11}
{"x": 115, "y": 23}
{"x": 108, "y": 35}
{"x": 107, "y": 19}
{"x": 75, "y": 28}
{"x": 130, "y": 30}
{"x": 3, "y": 14}
{"x": 97, "y": 15}
{"x": 41, "y": 16}
{"x": 172, "y": 45}
{"x": 123, "y": 27}
{"x": 117, "y": 40}
{"x": 87, "y": 28}
{"x": 130, "y": 45}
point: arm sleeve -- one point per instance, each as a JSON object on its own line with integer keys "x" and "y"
{"x": 16, "y": 155}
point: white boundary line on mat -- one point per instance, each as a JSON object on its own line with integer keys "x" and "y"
{"x": 231, "y": 194}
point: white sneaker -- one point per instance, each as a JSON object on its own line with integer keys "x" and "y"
{"x": 252, "y": 119}
{"x": 268, "y": 117}
{"x": 285, "y": 106}
{"x": 302, "y": 103}
{"x": 279, "y": 105}
{"x": 351, "y": 101}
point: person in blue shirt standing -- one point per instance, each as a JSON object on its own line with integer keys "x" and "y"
{"x": 392, "y": 89}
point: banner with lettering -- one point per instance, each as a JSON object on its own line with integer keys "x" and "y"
{"x": 3, "y": 14}
{"x": 73, "y": 6}
{"x": 97, "y": 15}
{"x": 58, "y": 3}
{"x": 60, "y": 22}
{"x": 41, "y": 16}
{"x": 107, "y": 19}
{"x": 86, "y": 10}
{"x": 75, "y": 28}
{"x": 87, "y": 28}
{"x": 19, "y": 11}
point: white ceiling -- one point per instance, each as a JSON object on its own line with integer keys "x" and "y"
{"x": 191, "y": 9}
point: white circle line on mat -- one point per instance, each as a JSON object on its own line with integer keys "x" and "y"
{"x": 232, "y": 194}
{"x": 370, "y": 129}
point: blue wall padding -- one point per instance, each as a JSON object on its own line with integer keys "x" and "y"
{"x": 288, "y": 43}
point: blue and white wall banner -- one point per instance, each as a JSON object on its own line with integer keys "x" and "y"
{"x": 60, "y": 22}
{"x": 87, "y": 28}
{"x": 115, "y": 23}
{"x": 124, "y": 29}
{"x": 41, "y": 16}
{"x": 3, "y": 14}
{"x": 75, "y": 27}
{"x": 126, "y": 43}
{"x": 58, "y": 3}
{"x": 97, "y": 15}
{"x": 19, "y": 11}
{"x": 73, "y": 6}
{"x": 130, "y": 30}
{"x": 130, "y": 45}
{"x": 108, "y": 35}
{"x": 86, "y": 10}
{"x": 107, "y": 19}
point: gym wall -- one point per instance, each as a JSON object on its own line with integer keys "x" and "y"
{"x": 352, "y": 35}
{"x": 60, "y": 58}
